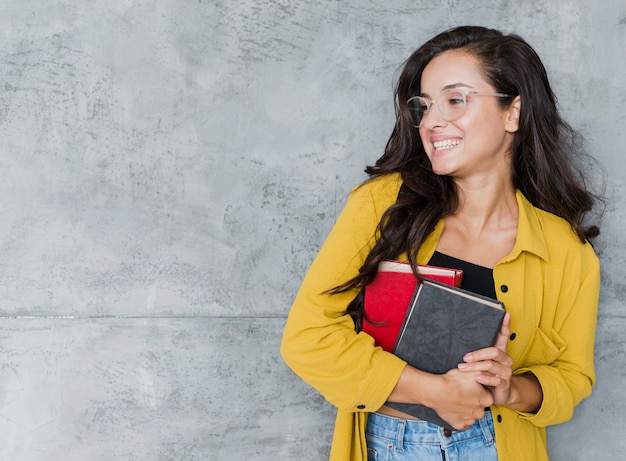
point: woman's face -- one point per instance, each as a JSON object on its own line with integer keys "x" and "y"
{"x": 477, "y": 144}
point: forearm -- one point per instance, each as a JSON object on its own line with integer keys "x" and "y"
{"x": 412, "y": 386}
{"x": 455, "y": 395}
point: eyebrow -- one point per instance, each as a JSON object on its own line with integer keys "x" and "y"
{"x": 452, "y": 85}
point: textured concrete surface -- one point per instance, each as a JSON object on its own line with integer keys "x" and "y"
{"x": 169, "y": 169}
{"x": 150, "y": 389}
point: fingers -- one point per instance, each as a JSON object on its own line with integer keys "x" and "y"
{"x": 505, "y": 331}
{"x": 491, "y": 373}
{"x": 486, "y": 360}
{"x": 462, "y": 400}
{"x": 493, "y": 363}
{"x": 462, "y": 424}
{"x": 464, "y": 418}
{"x": 498, "y": 351}
{"x": 495, "y": 381}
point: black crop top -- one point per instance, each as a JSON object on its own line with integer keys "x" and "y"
{"x": 477, "y": 279}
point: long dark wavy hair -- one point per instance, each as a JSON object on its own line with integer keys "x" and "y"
{"x": 544, "y": 151}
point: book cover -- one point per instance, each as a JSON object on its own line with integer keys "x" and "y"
{"x": 388, "y": 297}
{"x": 442, "y": 324}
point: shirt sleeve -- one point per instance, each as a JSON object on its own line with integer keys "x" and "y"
{"x": 319, "y": 342}
{"x": 570, "y": 377}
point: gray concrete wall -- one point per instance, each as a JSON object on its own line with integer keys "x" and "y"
{"x": 169, "y": 169}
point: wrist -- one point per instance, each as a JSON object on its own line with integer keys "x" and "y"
{"x": 414, "y": 386}
{"x": 525, "y": 393}
{"x": 429, "y": 388}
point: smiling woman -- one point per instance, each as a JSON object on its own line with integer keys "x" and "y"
{"x": 467, "y": 130}
{"x": 484, "y": 183}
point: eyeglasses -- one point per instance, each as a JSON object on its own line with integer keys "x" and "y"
{"x": 450, "y": 104}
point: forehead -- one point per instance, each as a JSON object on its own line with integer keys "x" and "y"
{"x": 452, "y": 68}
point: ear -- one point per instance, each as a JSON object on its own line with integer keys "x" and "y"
{"x": 512, "y": 115}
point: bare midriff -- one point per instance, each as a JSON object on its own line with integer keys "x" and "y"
{"x": 385, "y": 410}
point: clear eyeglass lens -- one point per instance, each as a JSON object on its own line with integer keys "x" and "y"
{"x": 450, "y": 105}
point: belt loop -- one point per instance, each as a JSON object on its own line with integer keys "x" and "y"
{"x": 400, "y": 435}
{"x": 484, "y": 426}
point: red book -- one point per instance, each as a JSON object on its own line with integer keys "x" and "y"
{"x": 388, "y": 297}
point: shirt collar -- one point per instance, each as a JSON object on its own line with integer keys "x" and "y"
{"x": 529, "y": 234}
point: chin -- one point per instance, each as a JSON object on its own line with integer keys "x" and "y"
{"x": 442, "y": 170}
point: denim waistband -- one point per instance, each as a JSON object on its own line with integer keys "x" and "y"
{"x": 407, "y": 431}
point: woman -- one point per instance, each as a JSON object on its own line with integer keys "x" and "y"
{"x": 476, "y": 175}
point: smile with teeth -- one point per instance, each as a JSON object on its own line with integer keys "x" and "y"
{"x": 446, "y": 144}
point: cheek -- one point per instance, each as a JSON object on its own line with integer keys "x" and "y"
{"x": 424, "y": 138}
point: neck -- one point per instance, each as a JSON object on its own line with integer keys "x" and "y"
{"x": 486, "y": 205}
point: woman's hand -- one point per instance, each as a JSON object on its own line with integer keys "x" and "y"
{"x": 494, "y": 364}
{"x": 494, "y": 367}
{"x": 456, "y": 396}
{"x": 461, "y": 395}
{"x": 459, "y": 399}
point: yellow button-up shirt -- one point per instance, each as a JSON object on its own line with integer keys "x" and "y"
{"x": 549, "y": 282}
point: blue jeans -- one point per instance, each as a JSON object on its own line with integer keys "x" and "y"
{"x": 396, "y": 439}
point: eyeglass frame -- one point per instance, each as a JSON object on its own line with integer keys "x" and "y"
{"x": 463, "y": 92}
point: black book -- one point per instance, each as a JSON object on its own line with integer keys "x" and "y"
{"x": 442, "y": 324}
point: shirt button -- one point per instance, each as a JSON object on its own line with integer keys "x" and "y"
{"x": 361, "y": 407}
{"x": 447, "y": 432}
{"x": 513, "y": 336}
{"x": 504, "y": 288}
{"x": 499, "y": 418}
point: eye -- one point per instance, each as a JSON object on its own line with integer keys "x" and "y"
{"x": 454, "y": 99}
{"x": 418, "y": 104}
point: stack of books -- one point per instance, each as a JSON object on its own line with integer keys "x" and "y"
{"x": 430, "y": 322}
